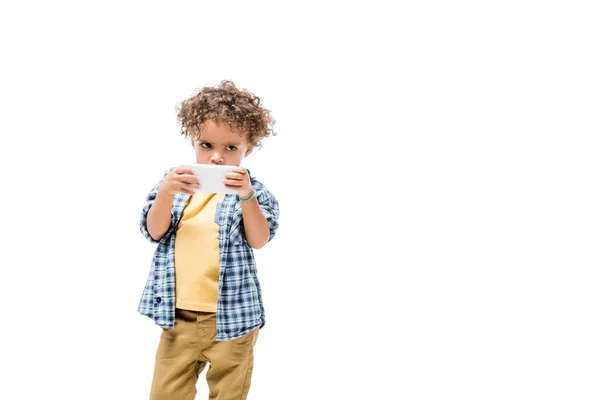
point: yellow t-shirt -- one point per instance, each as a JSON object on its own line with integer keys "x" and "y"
{"x": 197, "y": 256}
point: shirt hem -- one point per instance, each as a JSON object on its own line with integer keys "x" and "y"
{"x": 197, "y": 307}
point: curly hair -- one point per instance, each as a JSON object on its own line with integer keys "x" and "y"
{"x": 225, "y": 103}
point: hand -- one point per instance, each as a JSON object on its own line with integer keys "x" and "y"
{"x": 239, "y": 180}
{"x": 180, "y": 180}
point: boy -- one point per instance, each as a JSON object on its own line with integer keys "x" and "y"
{"x": 203, "y": 289}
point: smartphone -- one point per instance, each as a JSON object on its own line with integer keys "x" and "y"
{"x": 211, "y": 177}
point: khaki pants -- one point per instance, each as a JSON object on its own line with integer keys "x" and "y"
{"x": 184, "y": 351}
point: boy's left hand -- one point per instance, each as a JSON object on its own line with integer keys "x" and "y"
{"x": 239, "y": 180}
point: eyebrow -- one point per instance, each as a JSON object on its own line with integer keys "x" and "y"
{"x": 225, "y": 144}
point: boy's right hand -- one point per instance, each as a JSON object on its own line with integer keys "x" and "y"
{"x": 180, "y": 180}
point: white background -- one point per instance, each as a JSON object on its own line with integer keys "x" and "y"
{"x": 436, "y": 165}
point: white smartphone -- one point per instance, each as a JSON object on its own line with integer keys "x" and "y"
{"x": 211, "y": 177}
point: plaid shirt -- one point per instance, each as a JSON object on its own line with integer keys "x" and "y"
{"x": 239, "y": 304}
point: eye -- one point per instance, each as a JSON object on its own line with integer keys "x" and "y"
{"x": 231, "y": 148}
{"x": 205, "y": 145}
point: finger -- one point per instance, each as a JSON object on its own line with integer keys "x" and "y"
{"x": 240, "y": 170}
{"x": 234, "y": 184}
{"x": 185, "y": 190}
{"x": 183, "y": 170}
{"x": 188, "y": 184}
{"x": 187, "y": 178}
{"x": 234, "y": 176}
{"x": 229, "y": 182}
{"x": 192, "y": 186}
{"x": 188, "y": 188}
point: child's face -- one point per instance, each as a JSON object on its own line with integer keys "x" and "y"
{"x": 219, "y": 145}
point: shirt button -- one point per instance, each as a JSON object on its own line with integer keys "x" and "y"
{"x": 158, "y": 299}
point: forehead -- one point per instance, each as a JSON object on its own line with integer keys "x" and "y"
{"x": 219, "y": 132}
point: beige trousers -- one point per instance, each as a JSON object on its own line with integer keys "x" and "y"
{"x": 184, "y": 351}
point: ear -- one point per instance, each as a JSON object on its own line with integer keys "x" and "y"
{"x": 249, "y": 151}
{"x": 192, "y": 142}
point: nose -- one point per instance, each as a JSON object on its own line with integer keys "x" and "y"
{"x": 216, "y": 158}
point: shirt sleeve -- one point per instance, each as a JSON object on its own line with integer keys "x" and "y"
{"x": 270, "y": 208}
{"x": 149, "y": 201}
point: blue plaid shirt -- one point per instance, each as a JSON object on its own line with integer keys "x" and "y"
{"x": 239, "y": 304}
